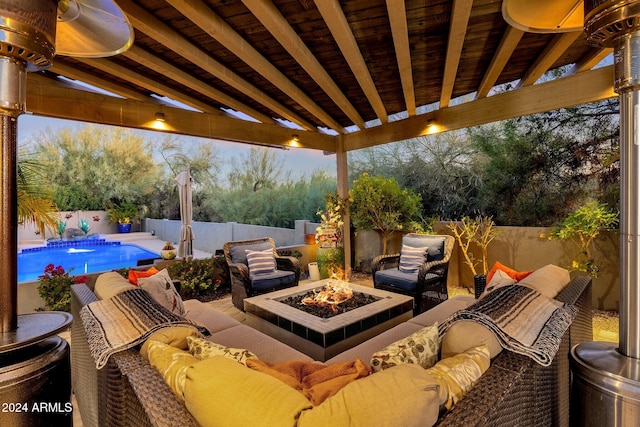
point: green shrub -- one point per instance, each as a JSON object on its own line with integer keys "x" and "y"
{"x": 54, "y": 287}
{"x": 199, "y": 277}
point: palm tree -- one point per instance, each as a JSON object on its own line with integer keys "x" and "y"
{"x": 35, "y": 205}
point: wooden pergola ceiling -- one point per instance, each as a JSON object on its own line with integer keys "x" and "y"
{"x": 340, "y": 75}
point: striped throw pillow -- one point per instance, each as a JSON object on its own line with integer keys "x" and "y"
{"x": 261, "y": 262}
{"x": 412, "y": 258}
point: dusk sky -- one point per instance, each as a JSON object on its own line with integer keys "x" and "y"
{"x": 300, "y": 162}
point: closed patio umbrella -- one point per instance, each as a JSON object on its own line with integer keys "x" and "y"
{"x": 185, "y": 180}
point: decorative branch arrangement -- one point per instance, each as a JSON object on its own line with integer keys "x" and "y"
{"x": 479, "y": 231}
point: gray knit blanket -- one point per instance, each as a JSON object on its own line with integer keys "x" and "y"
{"x": 523, "y": 320}
{"x": 124, "y": 321}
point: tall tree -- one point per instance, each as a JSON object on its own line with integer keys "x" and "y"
{"x": 35, "y": 205}
{"x": 260, "y": 168}
{"x": 378, "y": 203}
{"x": 91, "y": 167}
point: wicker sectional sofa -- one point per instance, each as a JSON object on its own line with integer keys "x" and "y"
{"x": 515, "y": 390}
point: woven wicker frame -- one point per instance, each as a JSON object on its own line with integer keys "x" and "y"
{"x": 513, "y": 391}
{"x": 241, "y": 287}
{"x": 429, "y": 292}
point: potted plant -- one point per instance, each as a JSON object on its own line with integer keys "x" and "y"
{"x": 123, "y": 215}
{"x": 581, "y": 227}
{"x": 379, "y": 203}
{"x": 168, "y": 251}
{"x": 54, "y": 287}
{"x": 330, "y": 254}
{"x": 480, "y": 232}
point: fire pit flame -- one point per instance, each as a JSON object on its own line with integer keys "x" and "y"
{"x": 330, "y": 296}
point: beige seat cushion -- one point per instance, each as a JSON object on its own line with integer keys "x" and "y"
{"x": 443, "y": 310}
{"x": 266, "y": 348}
{"x": 466, "y": 334}
{"x": 365, "y": 350}
{"x": 548, "y": 280}
{"x": 111, "y": 284}
{"x": 206, "y": 316}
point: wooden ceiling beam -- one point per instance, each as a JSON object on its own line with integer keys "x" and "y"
{"x": 277, "y": 25}
{"x": 337, "y": 22}
{"x": 154, "y": 63}
{"x": 75, "y": 74}
{"x": 50, "y": 98}
{"x": 581, "y": 88}
{"x": 549, "y": 56}
{"x": 460, "y": 12}
{"x": 201, "y": 15}
{"x": 151, "y": 85}
{"x": 400, "y": 34}
{"x": 508, "y": 44}
{"x": 171, "y": 39}
{"x": 594, "y": 57}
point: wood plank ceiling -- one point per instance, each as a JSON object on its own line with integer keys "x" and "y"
{"x": 339, "y": 75}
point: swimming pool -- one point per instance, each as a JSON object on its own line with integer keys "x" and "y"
{"x": 84, "y": 256}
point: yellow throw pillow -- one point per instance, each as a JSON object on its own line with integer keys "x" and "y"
{"x": 456, "y": 375}
{"x": 175, "y": 336}
{"x": 221, "y": 392}
{"x": 403, "y": 395}
{"x": 172, "y": 363}
{"x": 466, "y": 334}
{"x": 204, "y": 349}
{"x": 420, "y": 348}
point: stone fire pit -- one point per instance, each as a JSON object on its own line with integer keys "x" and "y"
{"x": 324, "y": 337}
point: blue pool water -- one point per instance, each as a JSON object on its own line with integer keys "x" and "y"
{"x": 84, "y": 256}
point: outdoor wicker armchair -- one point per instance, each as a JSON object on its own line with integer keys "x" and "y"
{"x": 245, "y": 283}
{"x": 427, "y": 285}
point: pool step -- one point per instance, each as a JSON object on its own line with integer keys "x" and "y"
{"x": 127, "y": 237}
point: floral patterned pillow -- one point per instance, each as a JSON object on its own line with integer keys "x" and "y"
{"x": 456, "y": 375}
{"x": 420, "y": 348}
{"x": 204, "y": 349}
{"x": 172, "y": 363}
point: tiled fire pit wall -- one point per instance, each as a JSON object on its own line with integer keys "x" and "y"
{"x": 323, "y": 338}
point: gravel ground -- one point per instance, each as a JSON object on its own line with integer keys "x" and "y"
{"x": 606, "y": 321}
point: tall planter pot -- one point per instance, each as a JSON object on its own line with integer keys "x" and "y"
{"x": 479, "y": 283}
{"x": 330, "y": 260}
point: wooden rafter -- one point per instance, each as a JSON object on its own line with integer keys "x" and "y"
{"x": 171, "y": 39}
{"x": 400, "y": 32}
{"x": 73, "y": 73}
{"x": 460, "y": 12}
{"x": 508, "y": 44}
{"x": 152, "y": 62}
{"x": 151, "y": 85}
{"x": 591, "y": 60}
{"x": 212, "y": 24}
{"x": 336, "y": 21}
{"x": 552, "y": 52}
{"x": 275, "y": 23}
